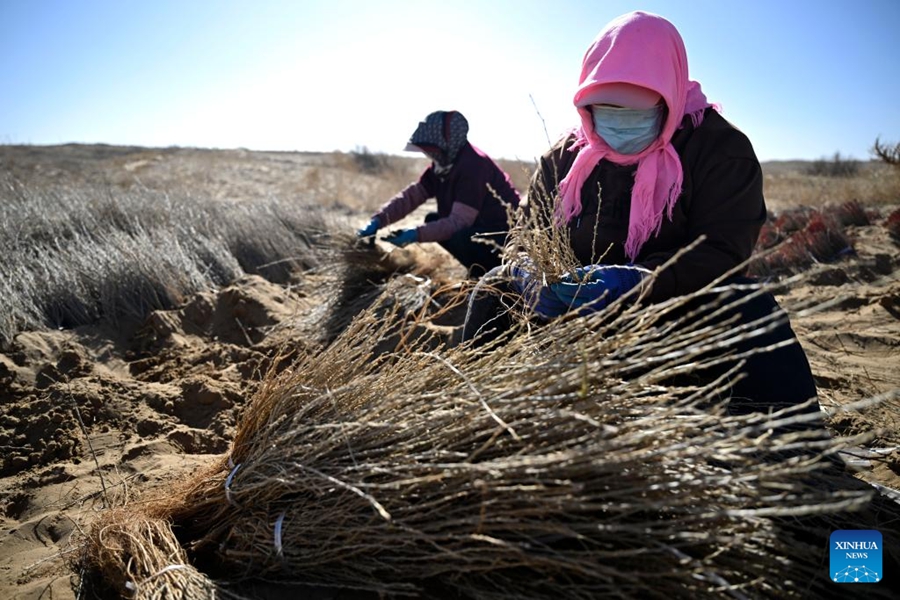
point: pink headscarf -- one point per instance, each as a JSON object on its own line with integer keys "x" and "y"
{"x": 645, "y": 50}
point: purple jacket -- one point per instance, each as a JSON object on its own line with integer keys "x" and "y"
{"x": 467, "y": 196}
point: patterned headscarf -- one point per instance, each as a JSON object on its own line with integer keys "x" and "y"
{"x": 644, "y": 50}
{"x": 441, "y": 135}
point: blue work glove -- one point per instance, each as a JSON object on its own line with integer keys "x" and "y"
{"x": 402, "y": 237}
{"x": 370, "y": 229}
{"x": 599, "y": 285}
{"x": 537, "y": 296}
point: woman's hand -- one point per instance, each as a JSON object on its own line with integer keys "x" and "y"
{"x": 370, "y": 229}
{"x": 597, "y": 285}
{"x": 402, "y": 237}
{"x": 540, "y": 298}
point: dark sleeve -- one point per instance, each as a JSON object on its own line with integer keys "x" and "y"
{"x": 410, "y": 198}
{"x": 726, "y": 206}
{"x": 461, "y": 216}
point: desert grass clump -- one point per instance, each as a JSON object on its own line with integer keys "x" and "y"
{"x": 74, "y": 255}
{"x": 576, "y": 460}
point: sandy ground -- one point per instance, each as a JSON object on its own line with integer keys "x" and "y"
{"x": 93, "y": 417}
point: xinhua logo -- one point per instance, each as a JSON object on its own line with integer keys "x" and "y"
{"x": 856, "y": 556}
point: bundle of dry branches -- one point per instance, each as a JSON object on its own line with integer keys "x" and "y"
{"x": 562, "y": 463}
{"x": 535, "y": 238}
{"x": 579, "y": 459}
{"x": 360, "y": 274}
{"x": 136, "y": 556}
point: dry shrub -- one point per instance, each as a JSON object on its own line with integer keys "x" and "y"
{"x": 794, "y": 219}
{"x": 846, "y": 213}
{"x": 564, "y": 463}
{"x": 836, "y": 166}
{"x": 367, "y": 161}
{"x": 888, "y": 153}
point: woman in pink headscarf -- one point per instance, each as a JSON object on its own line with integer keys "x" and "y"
{"x": 652, "y": 168}
{"x": 669, "y": 166}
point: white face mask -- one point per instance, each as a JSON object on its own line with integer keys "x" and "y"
{"x": 627, "y": 130}
{"x": 441, "y": 169}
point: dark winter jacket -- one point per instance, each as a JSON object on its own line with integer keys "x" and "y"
{"x": 722, "y": 199}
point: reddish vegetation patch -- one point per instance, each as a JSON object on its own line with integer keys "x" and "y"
{"x": 852, "y": 213}
{"x": 793, "y": 220}
{"x": 768, "y": 236}
{"x": 803, "y": 237}
{"x": 892, "y": 224}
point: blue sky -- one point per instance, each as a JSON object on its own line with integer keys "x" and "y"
{"x": 803, "y": 78}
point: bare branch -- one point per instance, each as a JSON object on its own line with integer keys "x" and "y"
{"x": 887, "y": 153}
